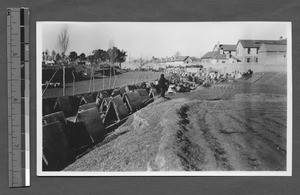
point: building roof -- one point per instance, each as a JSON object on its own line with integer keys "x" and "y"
{"x": 195, "y": 58}
{"x": 272, "y": 48}
{"x": 227, "y": 47}
{"x": 181, "y": 58}
{"x": 214, "y": 55}
{"x": 257, "y": 43}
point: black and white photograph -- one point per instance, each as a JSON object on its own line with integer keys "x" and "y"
{"x": 164, "y": 98}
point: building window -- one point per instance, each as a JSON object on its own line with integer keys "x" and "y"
{"x": 257, "y": 51}
{"x": 249, "y": 49}
{"x": 248, "y": 60}
{"x": 256, "y": 60}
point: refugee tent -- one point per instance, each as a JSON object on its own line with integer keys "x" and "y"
{"x": 88, "y": 106}
{"x": 144, "y": 96}
{"x": 104, "y": 104}
{"x": 122, "y": 90}
{"x": 69, "y": 131}
{"x": 68, "y": 104}
{"x": 88, "y": 98}
{"x": 53, "y": 117}
{"x": 109, "y": 91}
{"x": 115, "y": 92}
{"x": 93, "y": 123}
{"x": 78, "y": 135}
{"x": 141, "y": 85}
{"x": 129, "y": 88}
{"x": 48, "y": 105}
{"x": 56, "y": 150}
{"x": 116, "y": 111}
{"x": 103, "y": 94}
{"x": 132, "y": 101}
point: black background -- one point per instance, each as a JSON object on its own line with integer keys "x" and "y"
{"x": 141, "y": 10}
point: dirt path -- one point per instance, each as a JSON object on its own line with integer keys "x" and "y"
{"x": 228, "y": 127}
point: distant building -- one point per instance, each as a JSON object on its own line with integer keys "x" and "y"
{"x": 229, "y": 50}
{"x": 178, "y": 61}
{"x": 222, "y": 53}
{"x": 216, "y": 57}
{"x": 272, "y": 54}
{"x": 182, "y": 60}
{"x": 247, "y": 50}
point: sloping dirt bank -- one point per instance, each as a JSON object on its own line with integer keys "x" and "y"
{"x": 228, "y": 127}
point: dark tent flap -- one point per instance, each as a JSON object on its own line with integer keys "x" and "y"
{"x": 88, "y": 106}
{"x": 93, "y": 123}
{"x": 57, "y": 116}
{"x": 133, "y": 101}
{"x": 55, "y": 146}
{"x": 78, "y": 135}
{"x": 143, "y": 94}
{"x": 48, "y": 105}
{"x": 115, "y": 92}
{"x": 68, "y": 104}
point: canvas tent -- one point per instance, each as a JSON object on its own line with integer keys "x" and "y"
{"x": 116, "y": 111}
{"x": 144, "y": 96}
{"x": 104, "y": 105}
{"x": 48, "y": 105}
{"x": 67, "y": 104}
{"x": 132, "y": 101}
{"x": 89, "y": 98}
{"x": 91, "y": 119}
{"x": 56, "y": 150}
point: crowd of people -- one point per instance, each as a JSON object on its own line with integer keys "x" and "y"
{"x": 186, "y": 82}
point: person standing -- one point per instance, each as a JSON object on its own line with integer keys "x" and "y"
{"x": 163, "y": 85}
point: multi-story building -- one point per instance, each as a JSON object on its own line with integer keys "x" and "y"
{"x": 247, "y": 51}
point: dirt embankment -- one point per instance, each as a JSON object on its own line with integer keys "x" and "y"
{"x": 228, "y": 127}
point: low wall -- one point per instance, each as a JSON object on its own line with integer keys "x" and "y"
{"x": 230, "y": 67}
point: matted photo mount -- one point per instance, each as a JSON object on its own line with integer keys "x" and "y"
{"x": 164, "y": 99}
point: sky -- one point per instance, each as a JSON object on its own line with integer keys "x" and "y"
{"x": 159, "y": 39}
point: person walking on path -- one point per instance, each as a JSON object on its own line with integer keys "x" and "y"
{"x": 163, "y": 85}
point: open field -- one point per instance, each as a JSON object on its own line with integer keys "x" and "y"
{"x": 131, "y": 77}
{"x": 227, "y": 127}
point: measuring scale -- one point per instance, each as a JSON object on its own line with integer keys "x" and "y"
{"x": 18, "y": 96}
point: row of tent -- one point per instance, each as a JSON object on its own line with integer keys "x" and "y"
{"x": 72, "y": 124}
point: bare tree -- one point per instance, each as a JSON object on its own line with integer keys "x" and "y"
{"x": 112, "y": 54}
{"x": 63, "y": 40}
{"x": 62, "y": 46}
{"x": 177, "y": 53}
